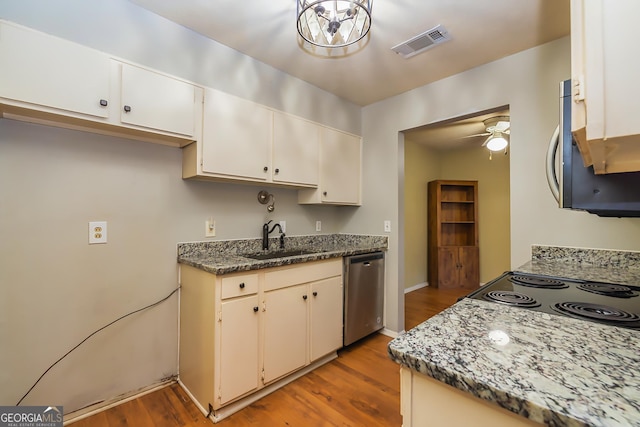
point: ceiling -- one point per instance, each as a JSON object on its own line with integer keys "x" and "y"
{"x": 481, "y": 31}
{"x": 452, "y": 134}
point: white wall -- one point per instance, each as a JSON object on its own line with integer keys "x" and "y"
{"x": 528, "y": 83}
{"x": 55, "y": 289}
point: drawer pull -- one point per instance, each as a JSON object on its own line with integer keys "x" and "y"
{"x": 127, "y": 109}
{"x": 255, "y": 309}
{"x": 304, "y": 297}
{"x": 315, "y": 294}
{"x": 103, "y": 103}
{"x": 241, "y": 285}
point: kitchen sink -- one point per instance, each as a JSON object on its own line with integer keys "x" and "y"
{"x": 278, "y": 254}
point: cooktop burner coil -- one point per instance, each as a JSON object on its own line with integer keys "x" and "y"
{"x": 511, "y": 298}
{"x": 538, "y": 282}
{"x": 597, "y": 312}
{"x": 608, "y": 289}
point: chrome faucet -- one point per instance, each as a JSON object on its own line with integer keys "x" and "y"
{"x": 266, "y": 232}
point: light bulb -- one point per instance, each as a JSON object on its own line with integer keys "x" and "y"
{"x": 497, "y": 143}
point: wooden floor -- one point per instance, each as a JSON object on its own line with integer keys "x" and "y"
{"x": 361, "y": 387}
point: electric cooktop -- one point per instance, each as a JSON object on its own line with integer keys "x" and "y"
{"x": 600, "y": 302}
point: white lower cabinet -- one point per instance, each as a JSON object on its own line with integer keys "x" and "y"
{"x": 325, "y": 317}
{"x": 285, "y": 331}
{"x": 241, "y": 333}
{"x": 238, "y": 348}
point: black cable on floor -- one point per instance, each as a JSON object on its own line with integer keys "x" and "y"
{"x": 92, "y": 334}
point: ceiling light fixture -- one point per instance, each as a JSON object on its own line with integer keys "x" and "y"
{"x": 496, "y": 142}
{"x": 333, "y": 23}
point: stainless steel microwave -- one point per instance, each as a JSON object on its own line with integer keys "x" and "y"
{"x": 575, "y": 186}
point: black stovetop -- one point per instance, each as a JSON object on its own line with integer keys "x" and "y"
{"x": 599, "y": 302}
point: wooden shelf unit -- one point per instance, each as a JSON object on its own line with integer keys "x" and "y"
{"x": 452, "y": 234}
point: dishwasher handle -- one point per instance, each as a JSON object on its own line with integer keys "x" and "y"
{"x": 365, "y": 259}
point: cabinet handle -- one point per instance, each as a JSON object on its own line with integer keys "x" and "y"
{"x": 304, "y": 297}
{"x": 266, "y": 168}
{"x": 324, "y": 193}
{"x": 241, "y": 285}
{"x": 277, "y": 170}
{"x": 127, "y": 108}
{"x": 315, "y": 294}
{"x": 103, "y": 103}
{"x": 255, "y": 309}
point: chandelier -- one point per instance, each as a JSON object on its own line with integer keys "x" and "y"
{"x": 333, "y": 23}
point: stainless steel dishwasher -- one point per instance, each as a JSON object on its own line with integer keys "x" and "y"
{"x": 363, "y": 295}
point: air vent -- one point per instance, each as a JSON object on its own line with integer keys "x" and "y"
{"x": 422, "y": 42}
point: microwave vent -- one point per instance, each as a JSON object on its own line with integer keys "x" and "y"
{"x": 422, "y": 42}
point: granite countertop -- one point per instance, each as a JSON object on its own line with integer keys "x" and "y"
{"x": 228, "y": 256}
{"x": 551, "y": 369}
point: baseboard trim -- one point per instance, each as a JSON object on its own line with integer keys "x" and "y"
{"x": 232, "y": 408}
{"x": 388, "y": 333}
{"x": 416, "y": 287}
{"x": 96, "y": 408}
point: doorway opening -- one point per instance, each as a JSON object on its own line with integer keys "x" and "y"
{"x": 453, "y": 149}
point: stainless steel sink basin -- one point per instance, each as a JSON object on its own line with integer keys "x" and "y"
{"x": 278, "y": 254}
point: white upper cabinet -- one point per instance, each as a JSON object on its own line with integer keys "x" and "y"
{"x": 156, "y": 101}
{"x": 236, "y": 137}
{"x": 246, "y": 141}
{"x": 42, "y": 70}
{"x": 340, "y": 170}
{"x": 52, "y": 81}
{"x": 295, "y": 150}
{"x": 604, "y": 73}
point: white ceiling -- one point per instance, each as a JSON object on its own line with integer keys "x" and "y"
{"x": 481, "y": 31}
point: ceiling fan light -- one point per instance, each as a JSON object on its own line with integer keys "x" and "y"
{"x": 497, "y": 143}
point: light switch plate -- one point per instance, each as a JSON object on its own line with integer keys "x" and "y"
{"x": 318, "y": 225}
{"x": 97, "y": 232}
{"x": 210, "y": 228}
{"x": 387, "y": 226}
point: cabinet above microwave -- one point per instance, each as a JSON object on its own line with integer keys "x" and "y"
{"x": 605, "y": 88}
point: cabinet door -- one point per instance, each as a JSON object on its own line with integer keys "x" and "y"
{"x": 156, "y": 101}
{"x": 238, "y": 347}
{"x": 285, "y": 331}
{"x": 469, "y": 271}
{"x": 340, "y": 161}
{"x": 236, "y": 137}
{"x": 51, "y": 72}
{"x": 448, "y": 267}
{"x": 295, "y": 150}
{"x": 326, "y": 317}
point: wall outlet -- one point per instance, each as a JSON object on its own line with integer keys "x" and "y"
{"x": 387, "y": 226}
{"x": 318, "y": 225}
{"x": 210, "y": 228}
{"x": 97, "y": 232}
{"x": 283, "y": 225}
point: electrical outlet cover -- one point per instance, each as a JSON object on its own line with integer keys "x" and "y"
{"x": 97, "y": 232}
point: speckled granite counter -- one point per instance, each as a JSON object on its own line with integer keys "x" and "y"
{"x": 621, "y": 267}
{"x": 227, "y": 256}
{"x": 551, "y": 369}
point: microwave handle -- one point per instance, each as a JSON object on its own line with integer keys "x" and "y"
{"x": 552, "y": 178}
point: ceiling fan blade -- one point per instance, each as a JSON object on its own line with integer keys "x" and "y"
{"x": 476, "y": 135}
{"x": 487, "y": 140}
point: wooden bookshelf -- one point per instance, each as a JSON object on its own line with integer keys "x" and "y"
{"x": 452, "y": 234}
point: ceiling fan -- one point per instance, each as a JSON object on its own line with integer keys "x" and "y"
{"x": 497, "y": 130}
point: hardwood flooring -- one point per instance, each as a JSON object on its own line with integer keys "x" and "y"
{"x": 426, "y": 302}
{"x": 360, "y": 387}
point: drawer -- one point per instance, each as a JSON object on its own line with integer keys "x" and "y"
{"x": 282, "y": 277}
{"x": 239, "y": 285}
